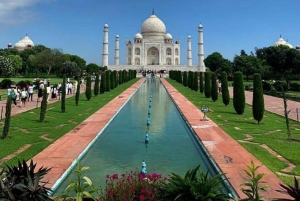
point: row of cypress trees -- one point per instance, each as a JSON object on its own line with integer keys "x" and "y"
{"x": 210, "y": 89}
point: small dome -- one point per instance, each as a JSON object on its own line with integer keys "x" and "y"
{"x": 9, "y": 45}
{"x": 200, "y": 26}
{"x": 168, "y": 36}
{"x": 27, "y": 41}
{"x": 20, "y": 46}
{"x": 280, "y": 42}
{"x": 153, "y": 26}
{"x": 189, "y": 36}
{"x": 105, "y": 25}
{"x": 298, "y": 47}
{"x": 138, "y": 36}
{"x": 117, "y": 36}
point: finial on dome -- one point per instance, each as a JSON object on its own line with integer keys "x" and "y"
{"x": 280, "y": 35}
{"x": 153, "y": 11}
{"x": 26, "y": 34}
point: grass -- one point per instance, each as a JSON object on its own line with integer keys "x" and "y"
{"x": 271, "y": 131}
{"x": 26, "y": 128}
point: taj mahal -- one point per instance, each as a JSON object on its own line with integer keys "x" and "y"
{"x": 154, "y": 49}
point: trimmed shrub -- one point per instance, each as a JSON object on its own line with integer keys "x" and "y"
{"x": 103, "y": 83}
{"x": 96, "y": 87}
{"x": 6, "y": 83}
{"x": 107, "y": 86}
{"x": 295, "y": 86}
{"x": 258, "y": 105}
{"x": 63, "y": 95}
{"x": 277, "y": 85}
{"x": 120, "y": 77}
{"x": 238, "y": 93}
{"x": 214, "y": 87}
{"x": 184, "y": 81}
{"x": 7, "y": 119}
{"x": 196, "y": 81}
{"x": 266, "y": 86}
{"x": 201, "y": 83}
{"x": 43, "y": 106}
{"x": 225, "y": 91}
{"x": 88, "y": 89}
{"x": 180, "y": 77}
{"x": 207, "y": 91}
{"x": 77, "y": 92}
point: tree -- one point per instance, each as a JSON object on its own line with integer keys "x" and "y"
{"x": 225, "y": 91}
{"x": 43, "y": 105}
{"x": 16, "y": 62}
{"x": 207, "y": 91}
{"x": 184, "y": 81}
{"x": 92, "y": 68}
{"x": 25, "y": 55}
{"x": 69, "y": 68}
{"x": 238, "y": 93}
{"x": 63, "y": 95}
{"x": 103, "y": 83}
{"x": 107, "y": 85}
{"x": 7, "y": 118}
{"x": 77, "y": 91}
{"x": 195, "y": 81}
{"x": 120, "y": 77}
{"x": 96, "y": 87}
{"x": 214, "y": 61}
{"x": 258, "y": 105}
{"x": 6, "y": 66}
{"x": 88, "y": 89}
{"x": 214, "y": 87}
{"x": 81, "y": 63}
{"x": 201, "y": 83}
{"x": 39, "y": 48}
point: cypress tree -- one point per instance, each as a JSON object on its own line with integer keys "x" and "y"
{"x": 120, "y": 77}
{"x": 214, "y": 89}
{"x": 196, "y": 81}
{"x": 103, "y": 83}
{"x": 225, "y": 91}
{"x": 134, "y": 73}
{"x": 238, "y": 93}
{"x": 117, "y": 78}
{"x": 207, "y": 91}
{"x": 180, "y": 77}
{"x": 96, "y": 87}
{"x": 107, "y": 76}
{"x": 7, "y": 118}
{"x": 258, "y": 105}
{"x": 88, "y": 89}
{"x": 111, "y": 77}
{"x": 201, "y": 83}
{"x": 77, "y": 92}
{"x": 63, "y": 95}
{"x": 184, "y": 81}
{"x": 44, "y": 105}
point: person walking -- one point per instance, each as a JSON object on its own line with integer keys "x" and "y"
{"x": 30, "y": 92}
{"x": 24, "y": 96}
{"x": 12, "y": 96}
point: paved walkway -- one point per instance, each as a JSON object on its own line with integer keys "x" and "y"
{"x": 229, "y": 155}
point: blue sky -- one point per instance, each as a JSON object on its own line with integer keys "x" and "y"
{"x": 76, "y": 26}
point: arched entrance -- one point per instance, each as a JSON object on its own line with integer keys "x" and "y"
{"x": 153, "y": 56}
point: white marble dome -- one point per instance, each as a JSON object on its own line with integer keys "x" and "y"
{"x": 168, "y": 36}
{"x": 153, "y": 26}
{"x": 280, "y": 42}
{"x": 27, "y": 41}
{"x": 288, "y": 44}
{"x": 20, "y": 46}
{"x": 138, "y": 36}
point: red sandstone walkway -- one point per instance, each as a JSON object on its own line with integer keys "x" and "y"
{"x": 230, "y": 156}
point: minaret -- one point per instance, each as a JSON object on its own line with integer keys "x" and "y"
{"x": 200, "y": 49}
{"x": 105, "y": 46}
{"x": 117, "y": 49}
{"x": 189, "y": 51}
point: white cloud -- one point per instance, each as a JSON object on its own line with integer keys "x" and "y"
{"x": 17, "y": 11}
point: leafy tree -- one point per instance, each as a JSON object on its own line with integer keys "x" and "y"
{"x": 43, "y": 106}
{"x": 103, "y": 83}
{"x": 207, "y": 91}
{"x": 214, "y": 61}
{"x": 92, "y": 68}
{"x": 16, "y": 62}
{"x": 96, "y": 87}
{"x": 77, "y": 91}
{"x": 214, "y": 89}
{"x": 258, "y": 105}
{"x": 225, "y": 91}
{"x": 25, "y": 55}
{"x": 201, "y": 83}
{"x": 81, "y": 63}
{"x": 195, "y": 81}
{"x": 6, "y": 66}
{"x": 69, "y": 68}
{"x": 88, "y": 90}
{"x": 238, "y": 93}
{"x": 39, "y": 48}
{"x": 31, "y": 64}
{"x": 63, "y": 95}
{"x": 7, "y": 118}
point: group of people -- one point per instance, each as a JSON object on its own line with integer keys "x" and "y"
{"x": 22, "y": 95}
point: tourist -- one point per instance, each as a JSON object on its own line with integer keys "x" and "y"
{"x": 24, "y": 96}
{"x": 40, "y": 91}
{"x": 220, "y": 87}
{"x": 30, "y": 92}
{"x": 48, "y": 93}
{"x": 12, "y": 96}
{"x": 75, "y": 86}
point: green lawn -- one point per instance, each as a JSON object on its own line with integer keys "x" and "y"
{"x": 26, "y": 128}
{"x": 271, "y": 131}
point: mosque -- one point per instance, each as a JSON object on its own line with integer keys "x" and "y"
{"x": 154, "y": 49}
{"x": 21, "y": 45}
{"x": 281, "y": 41}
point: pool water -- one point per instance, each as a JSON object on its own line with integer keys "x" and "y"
{"x": 121, "y": 147}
